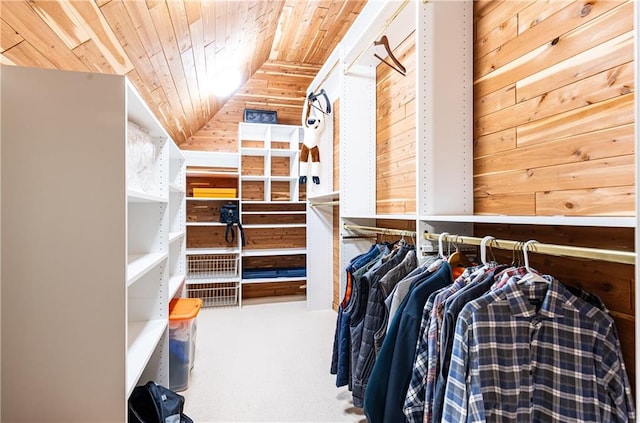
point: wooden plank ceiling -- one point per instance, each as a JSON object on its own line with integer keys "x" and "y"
{"x": 172, "y": 50}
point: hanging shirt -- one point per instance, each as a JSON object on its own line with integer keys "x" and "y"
{"x": 452, "y": 307}
{"x": 533, "y": 352}
{"x": 393, "y": 364}
{"x": 418, "y": 398}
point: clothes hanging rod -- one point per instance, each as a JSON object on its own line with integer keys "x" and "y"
{"x": 379, "y": 34}
{"x": 615, "y": 256}
{"x": 383, "y": 231}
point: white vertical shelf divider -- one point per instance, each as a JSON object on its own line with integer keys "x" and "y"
{"x": 636, "y": 10}
{"x": 444, "y": 110}
{"x": 177, "y": 221}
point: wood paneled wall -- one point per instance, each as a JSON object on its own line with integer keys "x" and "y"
{"x": 554, "y": 108}
{"x": 276, "y": 86}
{"x": 396, "y": 134}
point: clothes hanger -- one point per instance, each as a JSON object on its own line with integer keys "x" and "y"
{"x": 314, "y": 97}
{"x": 483, "y": 249}
{"x": 398, "y": 66}
{"x": 532, "y": 275}
{"x": 440, "y": 247}
{"x": 402, "y": 241}
{"x": 458, "y": 259}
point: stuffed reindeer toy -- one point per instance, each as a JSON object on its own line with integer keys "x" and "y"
{"x": 313, "y": 124}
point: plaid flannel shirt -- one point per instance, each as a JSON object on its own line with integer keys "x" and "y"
{"x": 532, "y": 351}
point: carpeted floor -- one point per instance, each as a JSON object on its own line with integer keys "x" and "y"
{"x": 266, "y": 362}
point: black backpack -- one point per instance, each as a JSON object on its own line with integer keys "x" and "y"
{"x": 153, "y": 403}
{"x": 230, "y": 215}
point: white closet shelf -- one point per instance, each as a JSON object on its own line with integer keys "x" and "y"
{"x": 273, "y": 212}
{"x": 213, "y": 199}
{"x": 255, "y": 178}
{"x": 283, "y": 152}
{"x": 610, "y": 221}
{"x": 275, "y": 226}
{"x": 383, "y": 216}
{"x": 260, "y": 131}
{"x": 273, "y": 252}
{"x": 174, "y": 236}
{"x": 335, "y": 195}
{"x": 139, "y": 264}
{"x": 192, "y": 251}
{"x": 270, "y": 280}
{"x": 142, "y": 339}
{"x": 205, "y": 224}
{"x": 174, "y": 283}
{"x": 211, "y": 159}
{"x": 143, "y": 197}
{"x": 213, "y": 173}
{"x": 274, "y": 202}
{"x": 254, "y": 151}
{"x": 284, "y": 178}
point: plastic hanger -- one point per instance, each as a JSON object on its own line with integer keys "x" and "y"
{"x": 531, "y": 276}
{"x": 313, "y": 97}
{"x": 440, "y": 247}
{"x": 483, "y": 249}
{"x": 398, "y": 66}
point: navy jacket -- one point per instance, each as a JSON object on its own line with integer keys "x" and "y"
{"x": 385, "y": 406}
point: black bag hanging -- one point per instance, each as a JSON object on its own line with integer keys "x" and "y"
{"x": 153, "y": 403}
{"x": 230, "y": 215}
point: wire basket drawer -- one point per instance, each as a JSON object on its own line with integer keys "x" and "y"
{"x": 215, "y": 294}
{"x": 212, "y": 266}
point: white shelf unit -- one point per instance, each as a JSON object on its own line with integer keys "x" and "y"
{"x": 213, "y": 271}
{"x": 86, "y": 258}
{"x": 277, "y": 149}
{"x": 271, "y": 203}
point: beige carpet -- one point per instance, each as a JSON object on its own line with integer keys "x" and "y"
{"x": 266, "y": 362}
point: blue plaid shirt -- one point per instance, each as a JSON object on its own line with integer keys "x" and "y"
{"x": 534, "y": 352}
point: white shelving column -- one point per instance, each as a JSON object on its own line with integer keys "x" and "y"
{"x": 177, "y": 221}
{"x": 275, "y": 145}
{"x": 444, "y": 107}
{"x": 636, "y": 10}
{"x": 85, "y": 259}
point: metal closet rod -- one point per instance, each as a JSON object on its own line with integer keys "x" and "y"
{"x": 615, "y": 256}
{"x": 383, "y": 231}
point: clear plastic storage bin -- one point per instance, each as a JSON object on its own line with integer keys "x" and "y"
{"x": 182, "y": 340}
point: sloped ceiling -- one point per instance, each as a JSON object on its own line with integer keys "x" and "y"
{"x": 172, "y": 50}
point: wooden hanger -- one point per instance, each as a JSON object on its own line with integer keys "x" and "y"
{"x": 459, "y": 259}
{"x": 398, "y": 66}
